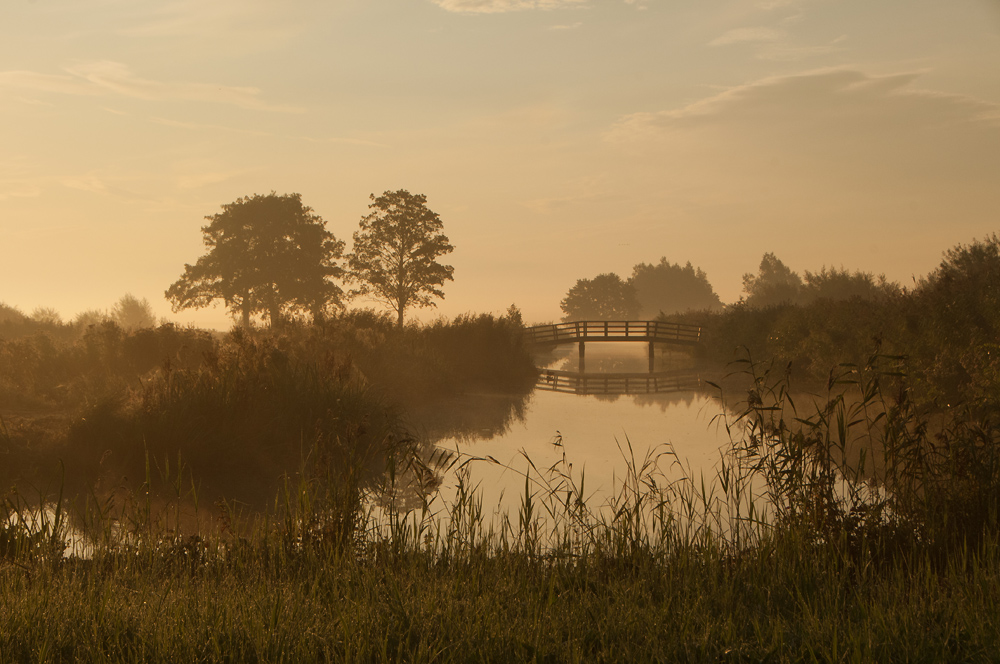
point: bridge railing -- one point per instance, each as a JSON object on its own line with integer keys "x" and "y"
{"x": 614, "y": 330}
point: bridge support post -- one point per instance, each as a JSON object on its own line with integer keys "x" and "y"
{"x": 652, "y": 357}
{"x": 583, "y": 359}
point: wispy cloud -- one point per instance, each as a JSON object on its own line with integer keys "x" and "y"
{"x": 19, "y": 189}
{"x": 205, "y": 127}
{"x": 259, "y": 21}
{"x": 108, "y": 77}
{"x": 91, "y": 183}
{"x": 118, "y": 78}
{"x": 59, "y": 83}
{"x": 200, "y": 126}
{"x": 776, "y": 43}
{"x": 831, "y": 98}
{"x": 785, "y": 51}
{"x": 113, "y": 186}
{"x": 205, "y": 179}
{"x": 570, "y": 26}
{"x": 750, "y": 34}
{"x": 771, "y": 5}
{"x": 501, "y": 6}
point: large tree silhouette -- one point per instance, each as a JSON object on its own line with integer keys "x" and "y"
{"x": 266, "y": 255}
{"x": 395, "y": 251}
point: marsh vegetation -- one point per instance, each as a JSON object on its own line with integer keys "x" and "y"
{"x": 272, "y": 495}
{"x": 794, "y": 551}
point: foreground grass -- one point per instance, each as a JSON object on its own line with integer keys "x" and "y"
{"x": 493, "y": 606}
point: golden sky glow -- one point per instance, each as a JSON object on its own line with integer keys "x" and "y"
{"x": 557, "y": 139}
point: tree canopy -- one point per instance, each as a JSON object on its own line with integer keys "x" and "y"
{"x": 963, "y": 293}
{"x": 266, "y": 255}
{"x": 834, "y": 284}
{"x": 669, "y": 288}
{"x": 774, "y": 283}
{"x": 605, "y": 297}
{"x": 132, "y": 313}
{"x": 395, "y": 252}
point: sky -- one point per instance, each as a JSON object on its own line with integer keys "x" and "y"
{"x": 556, "y": 139}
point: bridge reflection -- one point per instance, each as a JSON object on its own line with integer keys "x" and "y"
{"x": 572, "y": 382}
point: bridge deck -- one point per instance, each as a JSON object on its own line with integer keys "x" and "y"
{"x": 614, "y": 330}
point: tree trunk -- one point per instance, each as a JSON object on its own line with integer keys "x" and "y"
{"x": 246, "y": 314}
{"x": 399, "y": 321}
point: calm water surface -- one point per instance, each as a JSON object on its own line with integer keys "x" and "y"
{"x": 593, "y": 432}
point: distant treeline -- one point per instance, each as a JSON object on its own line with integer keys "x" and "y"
{"x": 944, "y": 331}
{"x": 652, "y": 289}
{"x": 667, "y": 288}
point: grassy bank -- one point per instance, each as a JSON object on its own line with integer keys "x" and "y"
{"x": 688, "y": 605}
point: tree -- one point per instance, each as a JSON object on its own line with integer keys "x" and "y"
{"x": 834, "y": 284}
{"x": 9, "y": 314}
{"x": 605, "y": 297}
{"x": 85, "y": 319}
{"x": 775, "y": 283}
{"x": 955, "y": 316}
{"x": 669, "y": 288}
{"x": 395, "y": 251}
{"x": 962, "y": 295}
{"x": 266, "y": 255}
{"x": 132, "y": 313}
{"x": 46, "y": 316}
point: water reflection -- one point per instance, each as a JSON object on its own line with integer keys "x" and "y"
{"x": 468, "y": 417}
{"x": 618, "y": 384}
{"x": 616, "y": 358}
{"x": 594, "y": 423}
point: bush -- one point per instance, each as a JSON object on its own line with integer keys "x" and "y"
{"x": 249, "y": 414}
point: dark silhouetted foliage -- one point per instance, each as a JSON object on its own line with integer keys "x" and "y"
{"x": 774, "y": 283}
{"x": 669, "y": 288}
{"x": 9, "y": 314}
{"x": 266, "y": 255}
{"x": 46, "y": 316}
{"x": 947, "y": 328}
{"x": 62, "y": 368}
{"x": 130, "y": 312}
{"x": 834, "y": 284}
{"x": 956, "y": 312}
{"x": 396, "y": 250}
{"x": 252, "y": 410}
{"x": 605, "y": 297}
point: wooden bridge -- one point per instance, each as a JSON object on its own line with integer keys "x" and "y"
{"x": 649, "y": 331}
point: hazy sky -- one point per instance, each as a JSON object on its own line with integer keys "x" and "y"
{"x": 557, "y": 139}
